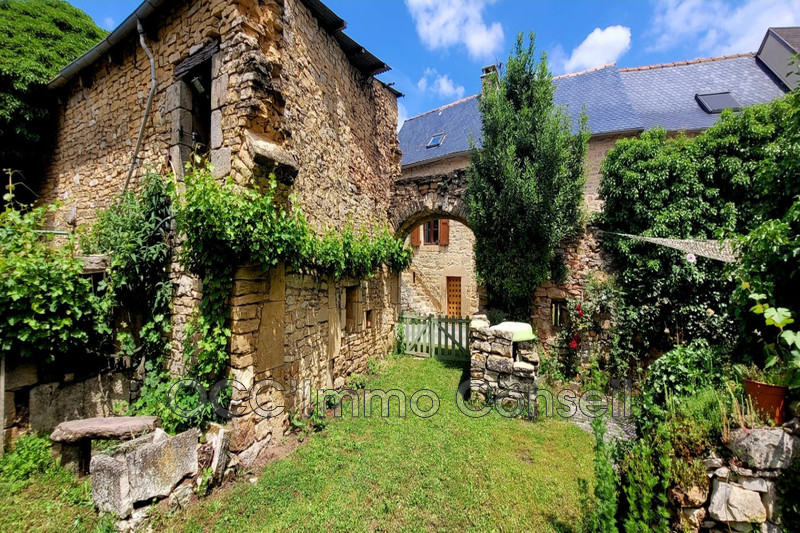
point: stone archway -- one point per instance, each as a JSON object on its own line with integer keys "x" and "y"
{"x": 417, "y": 200}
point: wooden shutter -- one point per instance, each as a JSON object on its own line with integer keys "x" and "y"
{"x": 444, "y": 232}
{"x": 415, "y": 236}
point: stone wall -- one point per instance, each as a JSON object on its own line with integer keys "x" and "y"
{"x": 424, "y": 285}
{"x": 305, "y": 333}
{"x": 598, "y": 149}
{"x": 40, "y": 397}
{"x": 284, "y": 98}
{"x": 339, "y": 124}
{"x": 585, "y": 258}
{"x": 497, "y": 367}
{"x": 740, "y": 493}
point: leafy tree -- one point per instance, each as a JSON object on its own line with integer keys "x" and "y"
{"x": 525, "y": 186}
{"x": 737, "y": 175}
{"x": 37, "y": 39}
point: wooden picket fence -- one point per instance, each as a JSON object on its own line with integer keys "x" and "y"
{"x": 442, "y": 337}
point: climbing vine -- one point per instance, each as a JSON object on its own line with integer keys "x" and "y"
{"x": 225, "y": 226}
{"x": 49, "y": 308}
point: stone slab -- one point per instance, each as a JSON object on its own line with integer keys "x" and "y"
{"x": 156, "y": 468}
{"x": 121, "y": 427}
{"x": 765, "y": 448}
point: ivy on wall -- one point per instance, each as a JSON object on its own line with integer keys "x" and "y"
{"x": 49, "y": 308}
{"x": 226, "y": 226}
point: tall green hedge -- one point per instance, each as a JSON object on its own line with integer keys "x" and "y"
{"x": 743, "y": 171}
{"x": 37, "y": 39}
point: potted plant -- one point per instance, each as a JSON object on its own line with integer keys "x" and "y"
{"x": 768, "y": 389}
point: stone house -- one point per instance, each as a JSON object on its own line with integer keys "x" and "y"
{"x": 620, "y": 103}
{"x": 259, "y": 86}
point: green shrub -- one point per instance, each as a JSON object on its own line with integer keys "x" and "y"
{"x": 37, "y": 39}
{"x": 727, "y": 181}
{"x": 683, "y": 370}
{"x": 30, "y": 456}
{"x": 49, "y": 308}
{"x": 603, "y": 517}
{"x": 525, "y": 183}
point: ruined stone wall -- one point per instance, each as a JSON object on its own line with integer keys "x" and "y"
{"x": 423, "y": 286}
{"x": 306, "y": 333}
{"x": 585, "y": 258}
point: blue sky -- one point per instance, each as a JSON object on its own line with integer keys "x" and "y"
{"x": 437, "y": 47}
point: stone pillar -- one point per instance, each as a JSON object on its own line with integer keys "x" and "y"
{"x": 257, "y": 354}
{"x": 179, "y": 107}
{"x": 220, "y": 153}
{"x": 493, "y": 368}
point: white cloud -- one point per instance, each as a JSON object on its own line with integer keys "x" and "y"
{"x": 108, "y": 23}
{"x": 442, "y": 24}
{"x": 441, "y": 84}
{"x": 599, "y": 48}
{"x": 717, "y": 27}
{"x": 402, "y": 115}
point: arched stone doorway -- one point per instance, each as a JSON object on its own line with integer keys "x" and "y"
{"x": 430, "y": 213}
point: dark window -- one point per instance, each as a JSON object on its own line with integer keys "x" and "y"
{"x": 351, "y": 304}
{"x": 559, "y": 316}
{"x": 199, "y": 81}
{"x": 431, "y": 232}
{"x": 717, "y": 102}
{"x": 436, "y": 140}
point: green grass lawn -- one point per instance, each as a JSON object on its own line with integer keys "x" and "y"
{"x": 54, "y": 501}
{"x": 447, "y": 472}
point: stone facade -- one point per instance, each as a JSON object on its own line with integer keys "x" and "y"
{"x": 280, "y": 96}
{"x": 423, "y": 287}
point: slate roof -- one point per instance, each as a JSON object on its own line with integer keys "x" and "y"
{"x": 790, "y": 36}
{"x": 663, "y": 95}
{"x": 616, "y": 101}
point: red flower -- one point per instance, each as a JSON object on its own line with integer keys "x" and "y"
{"x": 580, "y": 314}
{"x": 578, "y": 307}
{"x": 573, "y": 345}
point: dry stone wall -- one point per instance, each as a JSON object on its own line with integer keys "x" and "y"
{"x": 498, "y": 368}
{"x": 740, "y": 493}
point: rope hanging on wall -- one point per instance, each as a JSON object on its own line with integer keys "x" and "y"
{"x": 717, "y": 250}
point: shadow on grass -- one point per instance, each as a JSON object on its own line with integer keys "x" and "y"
{"x": 462, "y": 365}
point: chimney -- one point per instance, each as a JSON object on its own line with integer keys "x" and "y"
{"x": 486, "y": 74}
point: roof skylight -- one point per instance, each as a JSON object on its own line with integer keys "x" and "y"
{"x": 436, "y": 140}
{"x": 717, "y": 102}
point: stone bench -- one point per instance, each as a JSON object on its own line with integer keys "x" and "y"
{"x": 75, "y": 437}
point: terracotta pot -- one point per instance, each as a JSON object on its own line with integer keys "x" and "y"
{"x": 769, "y": 400}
